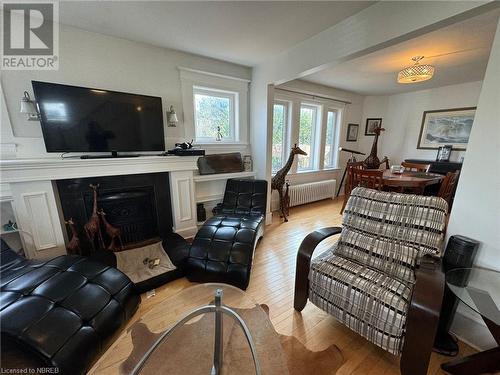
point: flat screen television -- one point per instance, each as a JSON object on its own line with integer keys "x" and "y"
{"x": 81, "y": 119}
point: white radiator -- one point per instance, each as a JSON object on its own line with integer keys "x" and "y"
{"x": 311, "y": 192}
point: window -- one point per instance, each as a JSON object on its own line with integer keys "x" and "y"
{"x": 307, "y": 131}
{"x": 330, "y": 140}
{"x": 214, "y": 111}
{"x": 280, "y": 124}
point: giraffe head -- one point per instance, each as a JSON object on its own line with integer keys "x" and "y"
{"x": 296, "y": 150}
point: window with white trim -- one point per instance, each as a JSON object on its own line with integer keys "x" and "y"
{"x": 308, "y": 120}
{"x": 215, "y": 115}
{"x": 331, "y": 139}
{"x": 280, "y": 131}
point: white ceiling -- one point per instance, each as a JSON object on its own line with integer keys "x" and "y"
{"x": 242, "y": 32}
{"x": 459, "y": 52}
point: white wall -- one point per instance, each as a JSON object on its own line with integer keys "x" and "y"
{"x": 476, "y": 208}
{"x": 96, "y": 60}
{"x": 402, "y": 118}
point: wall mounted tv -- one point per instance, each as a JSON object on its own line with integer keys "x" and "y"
{"x": 81, "y": 119}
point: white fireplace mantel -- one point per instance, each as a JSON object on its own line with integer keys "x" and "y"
{"x": 36, "y": 202}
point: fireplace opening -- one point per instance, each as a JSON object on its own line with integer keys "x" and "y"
{"x": 137, "y": 206}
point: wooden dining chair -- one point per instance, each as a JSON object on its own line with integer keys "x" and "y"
{"x": 415, "y": 167}
{"x": 368, "y": 178}
{"x": 348, "y": 186}
{"x": 448, "y": 186}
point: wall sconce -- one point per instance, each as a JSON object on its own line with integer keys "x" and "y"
{"x": 28, "y": 107}
{"x": 172, "y": 117}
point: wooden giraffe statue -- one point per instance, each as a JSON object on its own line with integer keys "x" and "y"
{"x": 113, "y": 232}
{"x": 372, "y": 161}
{"x": 278, "y": 181}
{"x": 74, "y": 244}
{"x": 93, "y": 226}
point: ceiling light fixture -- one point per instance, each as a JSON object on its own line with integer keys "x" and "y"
{"x": 416, "y": 72}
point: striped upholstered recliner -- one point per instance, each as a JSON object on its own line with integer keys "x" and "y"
{"x": 382, "y": 278}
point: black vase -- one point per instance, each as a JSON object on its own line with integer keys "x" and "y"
{"x": 201, "y": 214}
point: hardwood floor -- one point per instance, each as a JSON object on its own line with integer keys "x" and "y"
{"x": 272, "y": 283}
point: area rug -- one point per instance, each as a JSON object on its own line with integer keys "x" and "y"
{"x": 190, "y": 349}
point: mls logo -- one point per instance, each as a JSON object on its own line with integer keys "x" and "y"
{"x": 30, "y": 35}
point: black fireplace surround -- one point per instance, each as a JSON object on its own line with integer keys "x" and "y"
{"x": 139, "y": 205}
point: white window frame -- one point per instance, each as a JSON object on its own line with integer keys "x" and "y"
{"x": 233, "y": 113}
{"x": 315, "y": 136}
{"x": 333, "y": 162}
{"x": 286, "y": 131}
{"x": 192, "y": 79}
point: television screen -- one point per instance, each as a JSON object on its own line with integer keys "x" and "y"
{"x": 80, "y": 119}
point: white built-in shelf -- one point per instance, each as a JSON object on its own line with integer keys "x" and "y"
{"x": 2, "y": 232}
{"x": 222, "y": 176}
{"x": 209, "y": 198}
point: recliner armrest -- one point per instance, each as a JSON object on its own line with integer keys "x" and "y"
{"x": 424, "y": 310}
{"x": 304, "y": 256}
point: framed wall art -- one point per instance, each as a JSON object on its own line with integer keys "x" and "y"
{"x": 352, "y": 132}
{"x": 372, "y": 124}
{"x": 446, "y": 127}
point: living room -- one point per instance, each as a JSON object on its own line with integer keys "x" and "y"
{"x": 161, "y": 160}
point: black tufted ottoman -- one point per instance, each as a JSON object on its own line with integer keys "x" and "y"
{"x": 60, "y": 313}
{"x": 222, "y": 250}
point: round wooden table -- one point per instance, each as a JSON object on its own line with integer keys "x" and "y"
{"x": 415, "y": 180}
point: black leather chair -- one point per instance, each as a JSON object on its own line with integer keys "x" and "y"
{"x": 60, "y": 313}
{"x": 223, "y": 248}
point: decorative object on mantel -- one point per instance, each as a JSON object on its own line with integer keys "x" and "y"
{"x": 185, "y": 145}
{"x": 28, "y": 107}
{"x": 372, "y": 124}
{"x": 10, "y": 226}
{"x": 446, "y": 127}
{"x": 113, "y": 233}
{"x": 74, "y": 244}
{"x": 218, "y": 137}
{"x": 416, "y": 72}
{"x": 352, "y": 132}
{"x": 372, "y": 161}
{"x": 278, "y": 180}
{"x": 172, "y": 117}
{"x": 93, "y": 227}
{"x": 444, "y": 153}
{"x": 185, "y": 149}
{"x": 248, "y": 163}
{"x": 220, "y": 163}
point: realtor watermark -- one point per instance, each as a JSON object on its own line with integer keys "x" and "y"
{"x": 30, "y": 38}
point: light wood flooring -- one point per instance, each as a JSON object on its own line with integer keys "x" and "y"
{"x": 272, "y": 283}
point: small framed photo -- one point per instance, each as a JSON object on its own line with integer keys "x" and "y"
{"x": 372, "y": 124}
{"x": 444, "y": 153}
{"x": 352, "y": 132}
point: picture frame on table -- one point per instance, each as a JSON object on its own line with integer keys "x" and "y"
{"x": 444, "y": 127}
{"x": 372, "y": 124}
{"x": 352, "y": 132}
{"x": 444, "y": 153}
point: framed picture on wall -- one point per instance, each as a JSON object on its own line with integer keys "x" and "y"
{"x": 372, "y": 124}
{"x": 444, "y": 153}
{"x": 446, "y": 127}
{"x": 352, "y": 132}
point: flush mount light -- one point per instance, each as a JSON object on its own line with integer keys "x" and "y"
{"x": 417, "y": 72}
